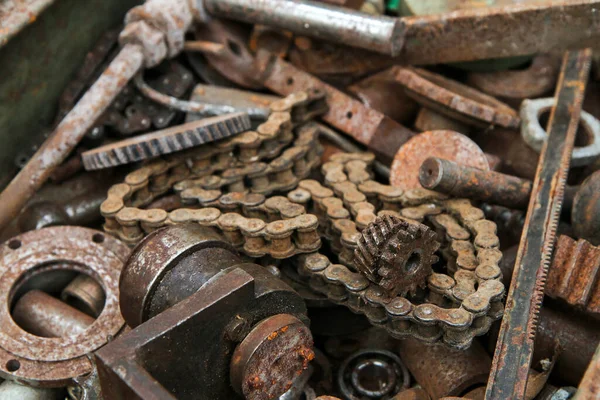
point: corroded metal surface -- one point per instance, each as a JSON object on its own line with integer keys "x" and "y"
{"x": 380, "y": 92}
{"x": 17, "y": 14}
{"x": 535, "y": 80}
{"x": 590, "y": 384}
{"x": 442, "y": 371}
{"x": 457, "y": 180}
{"x": 514, "y": 350}
{"x": 586, "y": 208}
{"x": 396, "y": 254}
{"x": 534, "y": 134}
{"x": 270, "y": 357}
{"x": 455, "y": 100}
{"x": 55, "y": 361}
{"x": 170, "y": 140}
{"x": 443, "y": 144}
{"x": 85, "y": 294}
{"x": 322, "y": 21}
{"x": 43, "y": 315}
{"x": 350, "y": 201}
{"x": 69, "y": 132}
{"x": 573, "y": 275}
{"x": 494, "y": 32}
{"x": 364, "y": 124}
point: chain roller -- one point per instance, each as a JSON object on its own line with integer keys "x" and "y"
{"x": 459, "y": 306}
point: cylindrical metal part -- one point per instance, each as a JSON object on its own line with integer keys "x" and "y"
{"x": 586, "y": 207}
{"x": 43, "y": 315}
{"x": 85, "y": 294}
{"x": 69, "y": 132}
{"x": 577, "y": 338}
{"x": 322, "y": 21}
{"x": 10, "y": 390}
{"x": 173, "y": 272}
{"x": 443, "y": 371}
{"x": 461, "y": 181}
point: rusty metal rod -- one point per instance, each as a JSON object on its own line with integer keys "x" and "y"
{"x": 512, "y": 358}
{"x": 69, "y": 132}
{"x": 448, "y": 177}
{"x": 590, "y": 384}
{"x": 43, "y": 315}
{"x": 203, "y": 46}
{"x": 322, "y": 21}
{"x": 202, "y": 109}
{"x": 495, "y": 32}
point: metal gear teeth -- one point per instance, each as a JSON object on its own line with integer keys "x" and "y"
{"x": 385, "y": 248}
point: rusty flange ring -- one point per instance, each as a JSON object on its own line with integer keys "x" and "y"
{"x": 54, "y": 362}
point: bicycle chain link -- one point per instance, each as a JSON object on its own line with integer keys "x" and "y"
{"x": 277, "y": 157}
{"x": 460, "y": 306}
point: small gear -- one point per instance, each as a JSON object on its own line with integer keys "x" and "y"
{"x": 396, "y": 254}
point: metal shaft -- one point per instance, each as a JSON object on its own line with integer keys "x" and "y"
{"x": 461, "y": 181}
{"x": 69, "y": 132}
{"x": 514, "y": 350}
{"x": 46, "y": 316}
{"x": 323, "y": 21}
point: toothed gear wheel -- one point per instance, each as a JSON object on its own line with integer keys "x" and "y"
{"x": 396, "y": 254}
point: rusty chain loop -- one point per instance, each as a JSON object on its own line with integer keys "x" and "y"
{"x": 248, "y": 167}
{"x": 459, "y": 306}
{"x": 226, "y": 186}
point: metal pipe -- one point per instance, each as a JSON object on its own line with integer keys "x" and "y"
{"x": 43, "y": 315}
{"x": 85, "y": 294}
{"x": 202, "y": 109}
{"x": 318, "y": 20}
{"x": 69, "y": 132}
{"x": 457, "y": 180}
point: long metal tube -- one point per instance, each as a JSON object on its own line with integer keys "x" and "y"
{"x": 46, "y": 316}
{"x": 69, "y": 132}
{"x": 318, "y": 20}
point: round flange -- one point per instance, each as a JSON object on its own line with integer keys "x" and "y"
{"x": 449, "y": 145}
{"x": 276, "y": 351}
{"x": 53, "y": 362}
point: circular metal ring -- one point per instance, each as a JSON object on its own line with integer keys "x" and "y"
{"x": 394, "y": 375}
{"x": 55, "y": 361}
{"x": 535, "y": 136}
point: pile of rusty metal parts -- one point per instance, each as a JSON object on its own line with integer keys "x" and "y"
{"x": 291, "y": 199}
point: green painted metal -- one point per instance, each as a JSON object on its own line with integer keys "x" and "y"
{"x": 38, "y": 62}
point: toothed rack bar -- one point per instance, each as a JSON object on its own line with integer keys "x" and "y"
{"x": 512, "y": 358}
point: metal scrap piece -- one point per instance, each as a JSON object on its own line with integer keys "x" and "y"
{"x": 514, "y": 349}
{"x": 54, "y": 362}
{"x": 455, "y": 100}
{"x": 444, "y": 144}
{"x": 573, "y": 275}
{"x": 364, "y": 124}
{"x": 494, "y": 32}
{"x": 166, "y": 141}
